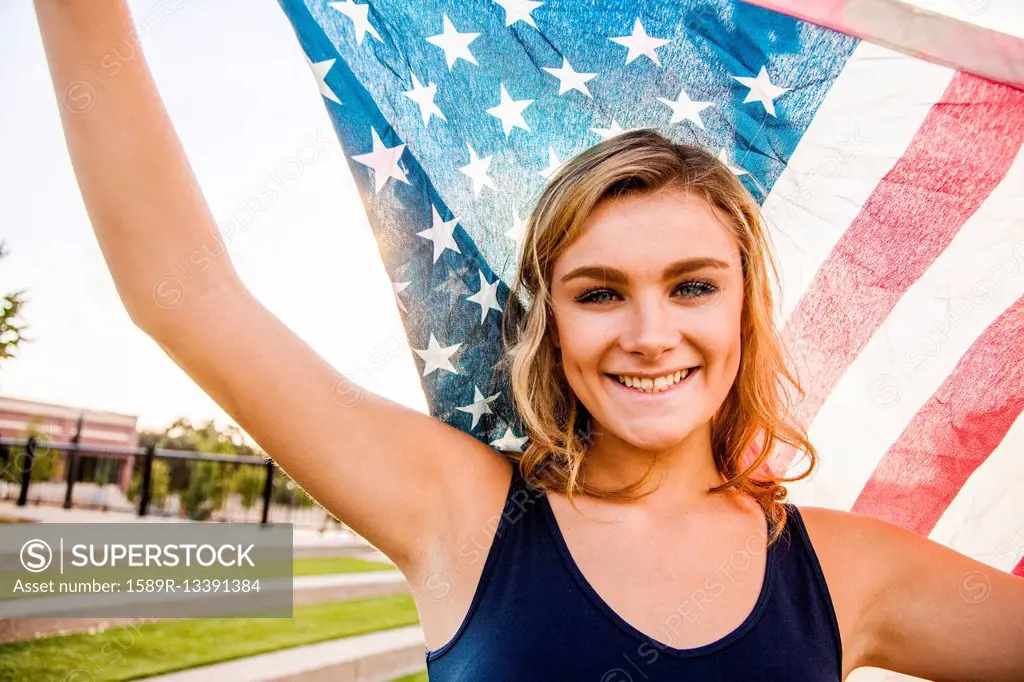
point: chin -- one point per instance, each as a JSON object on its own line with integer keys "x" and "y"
{"x": 651, "y": 435}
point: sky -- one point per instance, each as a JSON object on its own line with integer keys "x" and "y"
{"x": 243, "y": 102}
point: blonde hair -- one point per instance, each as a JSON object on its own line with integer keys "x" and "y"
{"x": 755, "y": 411}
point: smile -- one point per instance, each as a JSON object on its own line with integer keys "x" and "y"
{"x": 654, "y": 387}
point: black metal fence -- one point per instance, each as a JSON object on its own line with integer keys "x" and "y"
{"x": 18, "y": 457}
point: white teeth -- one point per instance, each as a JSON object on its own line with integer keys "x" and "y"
{"x": 654, "y": 385}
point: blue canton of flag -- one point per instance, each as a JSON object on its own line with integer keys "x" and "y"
{"x": 454, "y": 114}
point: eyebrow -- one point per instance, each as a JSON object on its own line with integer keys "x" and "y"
{"x": 610, "y": 274}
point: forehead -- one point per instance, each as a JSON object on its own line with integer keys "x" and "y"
{"x": 647, "y": 230}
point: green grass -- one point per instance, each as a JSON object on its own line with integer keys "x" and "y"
{"x": 342, "y": 564}
{"x": 418, "y": 677}
{"x": 163, "y": 647}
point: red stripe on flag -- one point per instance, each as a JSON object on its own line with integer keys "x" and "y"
{"x": 953, "y": 433}
{"x": 1020, "y": 568}
{"x": 959, "y": 155}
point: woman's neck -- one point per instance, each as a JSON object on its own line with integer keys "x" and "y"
{"x": 679, "y": 480}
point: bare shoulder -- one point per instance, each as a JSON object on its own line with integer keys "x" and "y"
{"x": 856, "y": 552}
{"x": 837, "y": 531}
{"x": 853, "y": 544}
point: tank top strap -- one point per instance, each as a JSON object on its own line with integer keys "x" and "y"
{"x": 796, "y": 530}
{"x": 802, "y": 563}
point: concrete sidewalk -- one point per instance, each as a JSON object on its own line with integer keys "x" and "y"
{"x": 375, "y": 657}
{"x": 321, "y": 589}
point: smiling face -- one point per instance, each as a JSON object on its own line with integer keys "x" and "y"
{"x": 654, "y": 286}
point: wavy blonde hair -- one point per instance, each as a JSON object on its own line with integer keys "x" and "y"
{"x": 754, "y": 417}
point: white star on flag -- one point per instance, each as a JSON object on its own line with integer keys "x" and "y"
{"x": 736, "y": 170}
{"x": 569, "y": 79}
{"x": 510, "y": 112}
{"x": 685, "y": 109}
{"x": 384, "y": 162}
{"x": 518, "y": 10}
{"x": 476, "y": 170}
{"x": 509, "y": 442}
{"x": 399, "y": 287}
{"x": 424, "y": 95}
{"x": 517, "y": 231}
{"x": 553, "y": 165}
{"x": 320, "y": 70}
{"x": 608, "y": 133}
{"x": 640, "y": 44}
{"x": 360, "y": 16}
{"x": 442, "y": 234}
{"x": 762, "y": 90}
{"x": 487, "y": 297}
{"x": 479, "y": 407}
{"x": 454, "y": 44}
{"x": 435, "y": 357}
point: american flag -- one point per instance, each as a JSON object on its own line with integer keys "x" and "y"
{"x": 893, "y": 187}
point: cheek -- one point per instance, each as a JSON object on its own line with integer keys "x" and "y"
{"x": 584, "y": 338}
{"x": 721, "y": 330}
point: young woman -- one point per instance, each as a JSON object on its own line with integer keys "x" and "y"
{"x": 638, "y": 537}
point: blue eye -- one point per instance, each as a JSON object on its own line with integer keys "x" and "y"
{"x": 697, "y": 288}
{"x": 700, "y": 287}
{"x": 591, "y": 295}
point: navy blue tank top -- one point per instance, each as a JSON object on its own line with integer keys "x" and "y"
{"x": 534, "y": 617}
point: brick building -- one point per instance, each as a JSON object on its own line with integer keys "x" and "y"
{"x": 59, "y": 423}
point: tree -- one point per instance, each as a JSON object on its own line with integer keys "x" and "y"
{"x": 207, "y": 487}
{"x": 12, "y": 327}
{"x": 183, "y": 435}
{"x": 159, "y": 484}
{"x": 291, "y": 493}
{"x": 44, "y": 462}
{"x": 248, "y": 483}
{"x": 204, "y": 485}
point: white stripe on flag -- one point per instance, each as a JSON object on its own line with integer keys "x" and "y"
{"x": 986, "y": 520}
{"x": 864, "y": 125}
{"x": 917, "y": 347}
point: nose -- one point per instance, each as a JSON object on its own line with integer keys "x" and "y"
{"x": 652, "y": 329}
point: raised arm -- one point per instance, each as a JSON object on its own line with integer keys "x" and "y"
{"x": 400, "y": 478}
